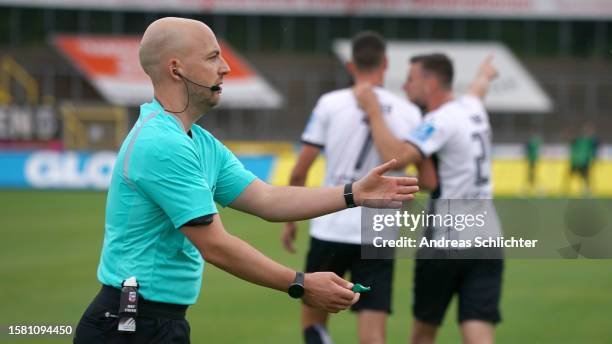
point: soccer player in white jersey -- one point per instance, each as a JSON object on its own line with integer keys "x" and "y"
{"x": 339, "y": 128}
{"x": 457, "y": 134}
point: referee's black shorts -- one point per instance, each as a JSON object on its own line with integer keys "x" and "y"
{"x": 341, "y": 257}
{"x": 156, "y": 322}
{"x": 477, "y": 282}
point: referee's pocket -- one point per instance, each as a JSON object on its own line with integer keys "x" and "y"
{"x": 95, "y": 325}
{"x": 181, "y": 332}
{"x": 103, "y": 318}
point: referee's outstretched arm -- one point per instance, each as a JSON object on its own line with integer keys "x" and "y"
{"x": 292, "y": 203}
{"x": 324, "y": 290}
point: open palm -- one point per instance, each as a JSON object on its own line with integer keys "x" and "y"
{"x": 377, "y": 190}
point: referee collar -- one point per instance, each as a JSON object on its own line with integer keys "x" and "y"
{"x": 155, "y": 103}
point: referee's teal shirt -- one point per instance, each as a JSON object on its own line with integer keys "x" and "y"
{"x": 162, "y": 179}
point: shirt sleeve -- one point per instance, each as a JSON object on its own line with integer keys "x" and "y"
{"x": 406, "y": 120}
{"x": 473, "y": 101}
{"x": 316, "y": 128}
{"x": 171, "y": 175}
{"x": 431, "y": 135}
{"x": 233, "y": 178}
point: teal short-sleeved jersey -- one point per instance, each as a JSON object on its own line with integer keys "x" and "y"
{"x": 162, "y": 179}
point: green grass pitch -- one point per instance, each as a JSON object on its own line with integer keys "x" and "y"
{"x": 51, "y": 242}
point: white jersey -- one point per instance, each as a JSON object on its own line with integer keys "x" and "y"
{"x": 340, "y": 126}
{"x": 458, "y": 138}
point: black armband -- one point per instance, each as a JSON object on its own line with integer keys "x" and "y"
{"x": 200, "y": 221}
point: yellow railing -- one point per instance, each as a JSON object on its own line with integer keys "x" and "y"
{"x": 11, "y": 70}
{"x": 78, "y": 117}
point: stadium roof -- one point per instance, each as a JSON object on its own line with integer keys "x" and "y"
{"x": 111, "y": 64}
{"x": 515, "y": 90}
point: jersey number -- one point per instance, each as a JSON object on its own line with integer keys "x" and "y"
{"x": 481, "y": 139}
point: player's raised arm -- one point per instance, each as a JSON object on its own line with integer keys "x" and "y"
{"x": 486, "y": 73}
{"x": 387, "y": 144}
{"x": 323, "y": 290}
{"x": 428, "y": 178}
{"x": 290, "y": 203}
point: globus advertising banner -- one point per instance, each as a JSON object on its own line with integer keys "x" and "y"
{"x": 48, "y": 169}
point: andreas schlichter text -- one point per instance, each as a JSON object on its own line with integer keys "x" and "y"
{"x": 478, "y": 242}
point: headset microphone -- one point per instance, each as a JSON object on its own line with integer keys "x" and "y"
{"x": 213, "y": 88}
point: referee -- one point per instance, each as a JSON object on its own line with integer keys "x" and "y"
{"x": 161, "y": 219}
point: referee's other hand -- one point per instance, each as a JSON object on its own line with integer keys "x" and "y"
{"x": 328, "y": 292}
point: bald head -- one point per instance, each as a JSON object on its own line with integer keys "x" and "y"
{"x": 172, "y": 38}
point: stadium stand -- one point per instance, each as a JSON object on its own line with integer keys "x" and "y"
{"x": 570, "y": 58}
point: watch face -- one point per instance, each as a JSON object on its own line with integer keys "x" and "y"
{"x": 296, "y": 290}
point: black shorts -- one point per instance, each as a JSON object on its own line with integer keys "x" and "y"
{"x": 156, "y": 322}
{"x": 340, "y": 258}
{"x": 477, "y": 282}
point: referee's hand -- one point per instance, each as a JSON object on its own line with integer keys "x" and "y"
{"x": 328, "y": 292}
{"x": 380, "y": 191}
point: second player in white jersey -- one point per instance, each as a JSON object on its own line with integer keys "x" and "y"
{"x": 458, "y": 137}
{"x": 340, "y": 127}
{"x": 456, "y": 134}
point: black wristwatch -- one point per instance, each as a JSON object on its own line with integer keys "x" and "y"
{"x": 348, "y": 195}
{"x": 296, "y": 289}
